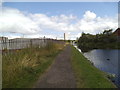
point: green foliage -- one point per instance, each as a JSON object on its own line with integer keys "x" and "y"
{"x": 99, "y": 41}
{"x": 88, "y": 76}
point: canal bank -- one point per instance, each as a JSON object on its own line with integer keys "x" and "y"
{"x": 106, "y": 60}
{"x": 88, "y": 76}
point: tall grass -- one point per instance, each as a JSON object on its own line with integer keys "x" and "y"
{"x": 21, "y": 68}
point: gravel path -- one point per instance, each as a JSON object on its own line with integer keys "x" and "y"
{"x": 60, "y": 75}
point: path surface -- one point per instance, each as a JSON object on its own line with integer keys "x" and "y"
{"x": 60, "y": 75}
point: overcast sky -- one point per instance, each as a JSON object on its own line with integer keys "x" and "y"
{"x": 37, "y": 19}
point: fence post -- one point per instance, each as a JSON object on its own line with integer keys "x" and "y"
{"x": 30, "y": 42}
{"x": 5, "y": 43}
{"x": 2, "y": 43}
{"x": 44, "y": 39}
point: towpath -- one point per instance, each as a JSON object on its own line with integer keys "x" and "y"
{"x": 60, "y": 75}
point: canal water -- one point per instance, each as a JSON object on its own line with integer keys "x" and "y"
{"x": 106, "y": 60}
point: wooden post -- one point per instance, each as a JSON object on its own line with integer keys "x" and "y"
{"x": 30, "y": 42}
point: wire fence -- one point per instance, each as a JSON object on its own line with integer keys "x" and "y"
{"x": 20, "y": 43}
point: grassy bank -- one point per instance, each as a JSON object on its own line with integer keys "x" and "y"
{"x": 87, "y": 76}
{"x": 22, "y": 68}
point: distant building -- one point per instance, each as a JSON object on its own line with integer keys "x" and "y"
{"x": 117, "y": 33}
{"x": 19, "y": 39}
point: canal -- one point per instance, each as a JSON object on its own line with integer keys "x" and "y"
{"x": 106, "y": 60}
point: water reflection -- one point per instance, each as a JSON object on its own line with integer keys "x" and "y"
{"x": 105, "y": 60}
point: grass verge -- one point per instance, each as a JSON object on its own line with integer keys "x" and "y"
{"x": 22, "y": 68}
{"x": 88, "y": 76}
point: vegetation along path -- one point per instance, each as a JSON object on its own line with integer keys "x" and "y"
{"x": 60, "y": 75}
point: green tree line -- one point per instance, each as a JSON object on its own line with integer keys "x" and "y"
{"x": 105, "y": 40}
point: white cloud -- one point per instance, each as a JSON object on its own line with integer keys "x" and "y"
{"x": 92, "y": 24}
{"x": 13, "y": 20}
{"x": 88, "y": 16}
{"x": 60, "y": 23}
{"x": 74, "y": 36}
{"x": 63, "y": 18}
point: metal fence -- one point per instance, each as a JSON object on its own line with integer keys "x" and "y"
{"x": 20, "y": 43}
